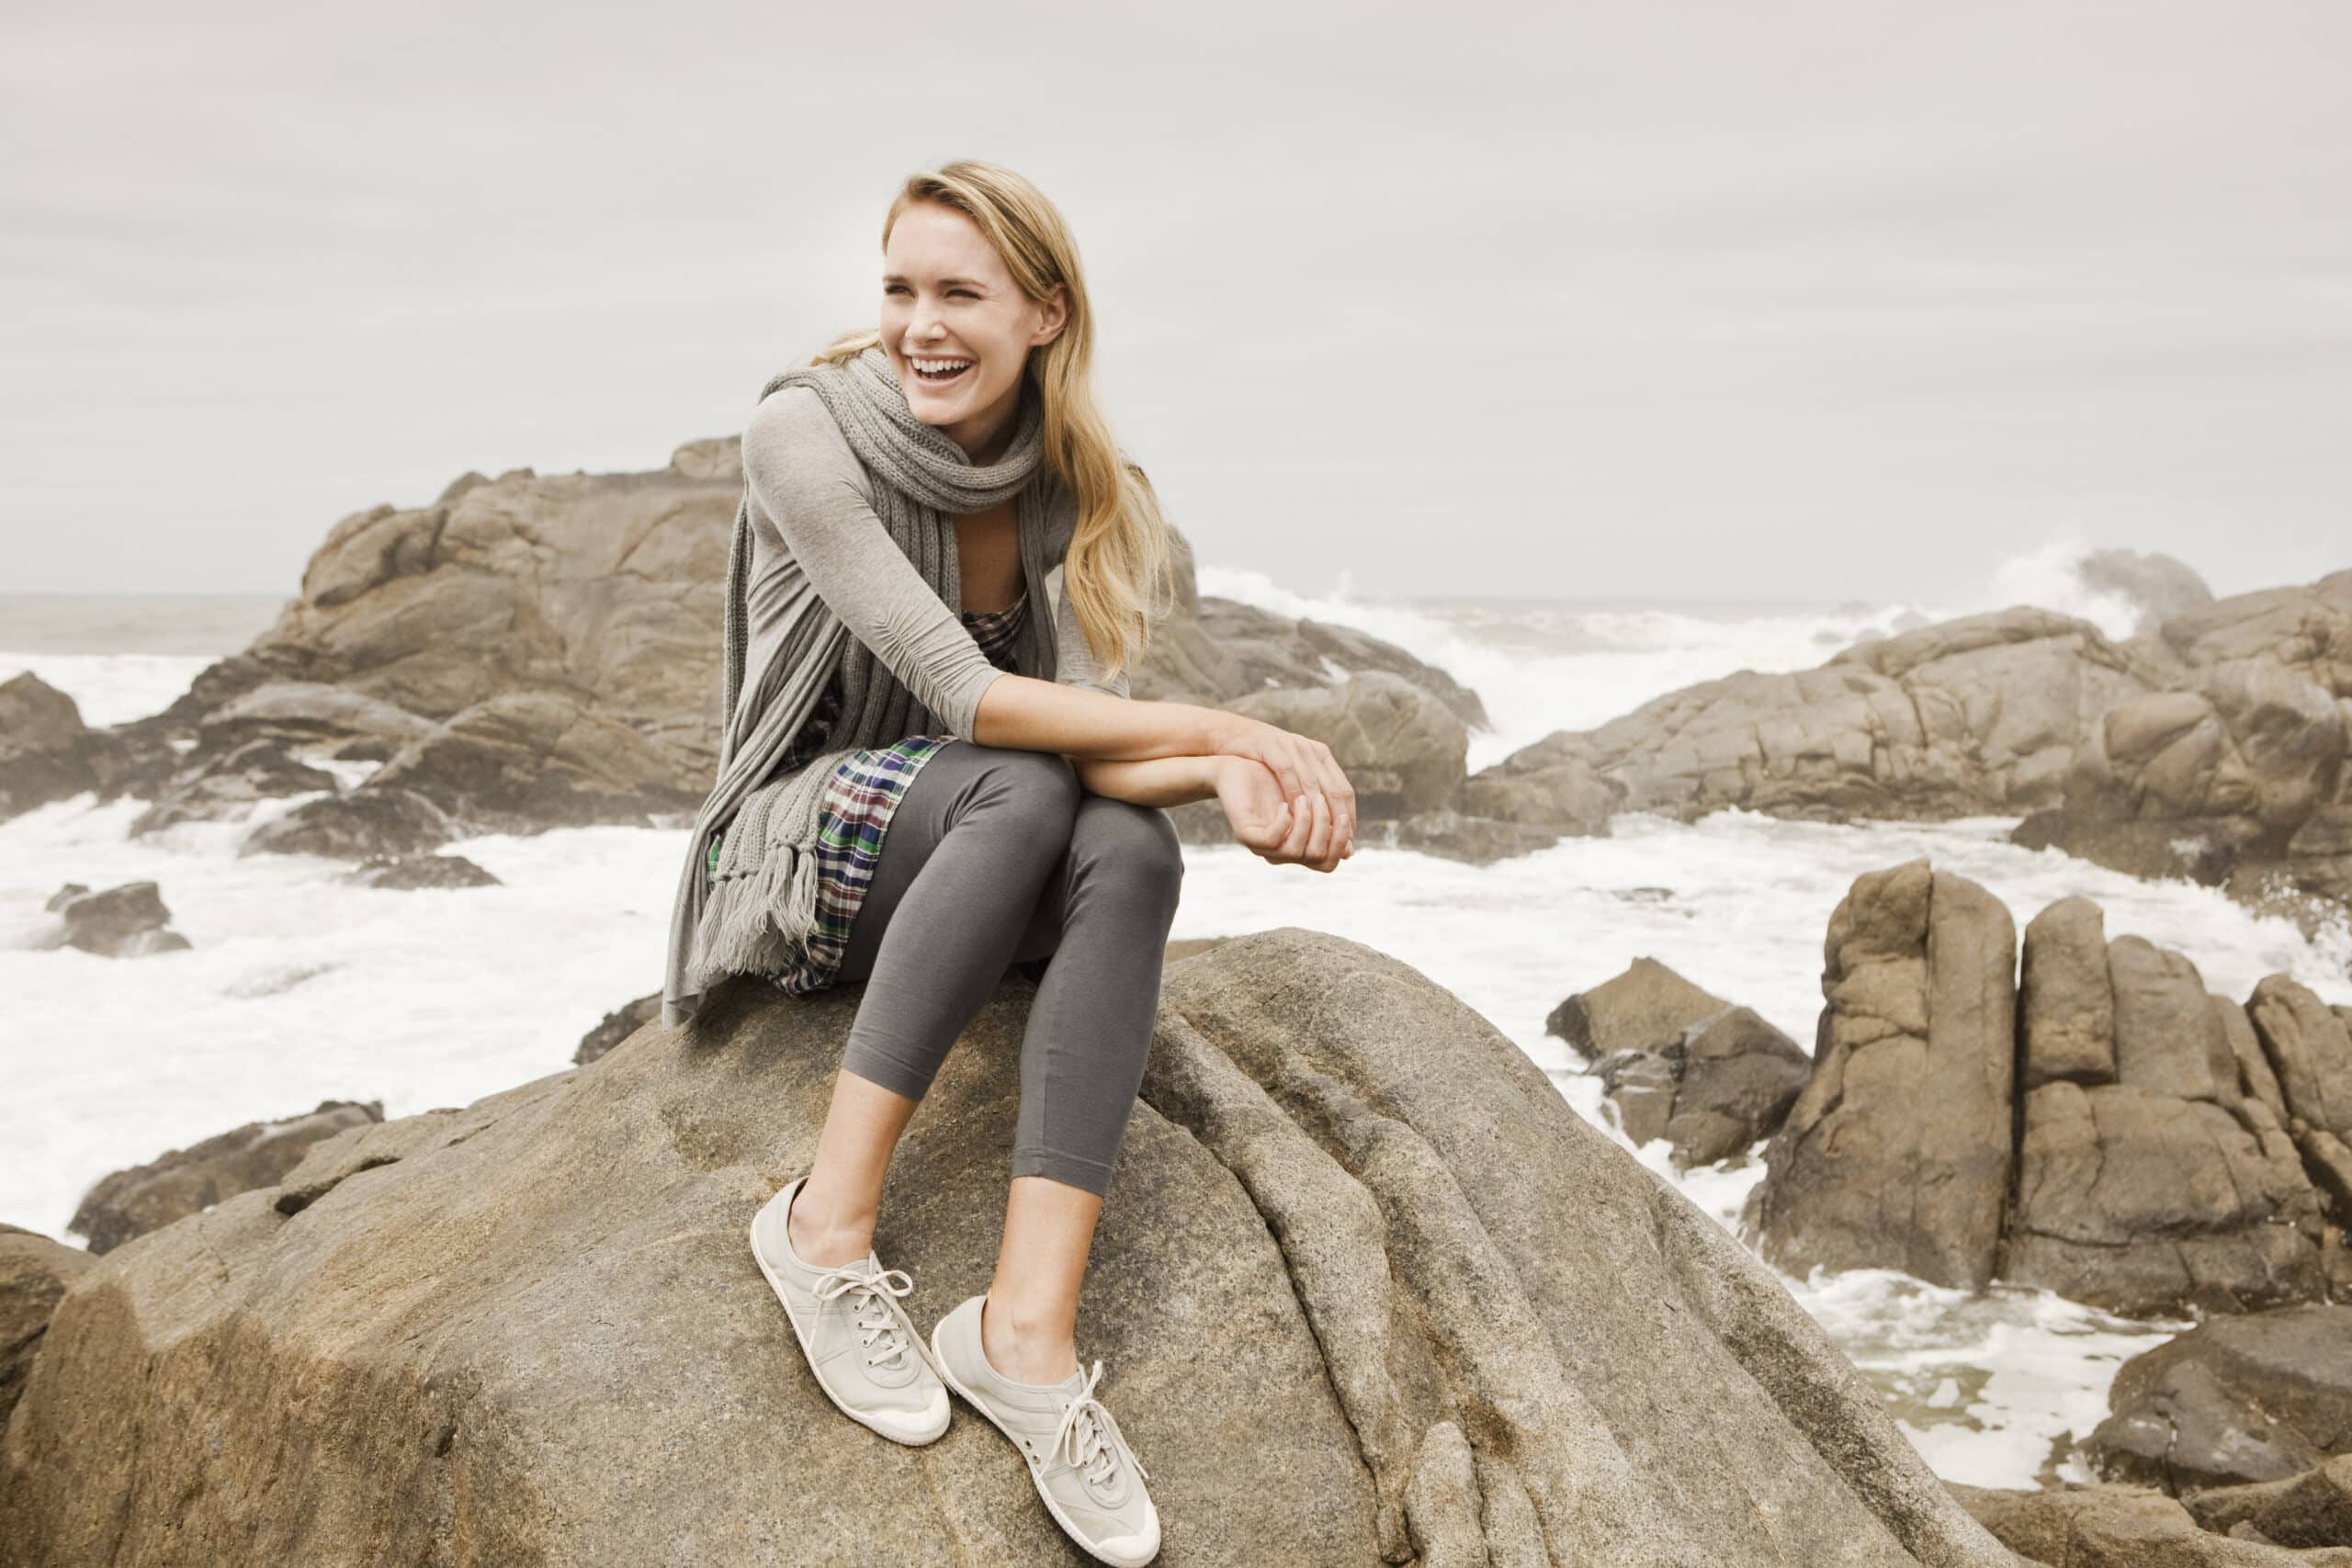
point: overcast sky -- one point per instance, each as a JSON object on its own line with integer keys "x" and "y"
{"x": 1677, "y": 300}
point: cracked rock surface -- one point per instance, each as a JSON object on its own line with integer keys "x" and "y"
{"x": 1366, "y": 1289}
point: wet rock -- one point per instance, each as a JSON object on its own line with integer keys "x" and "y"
{"x": 35, "y": 1272}
{"x": 2260, "y": 1397}
{"x": 1646, "y": 1007}
{"x": 1897, "y": 1154}
{"x": 1712, "y": 1091}
{"x": 525, "y": 759}
{"x": 181, "y": 1182}
{"x": 522, "y": 1300}
{"x": 125, "y": 921}
{"x": 407, "y": 873}
{"x": 364, "y": 823}
{"x": 227, "y": 787}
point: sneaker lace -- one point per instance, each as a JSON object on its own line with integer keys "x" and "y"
{"x": 871, "y": 1289}
{"x": 1089, "y": 1439}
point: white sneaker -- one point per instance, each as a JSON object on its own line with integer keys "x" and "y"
{"x": 1084, "y": 1470}
{"x": 867, "y": 1355}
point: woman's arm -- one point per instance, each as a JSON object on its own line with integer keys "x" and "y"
{"x": 1162, "y": 780}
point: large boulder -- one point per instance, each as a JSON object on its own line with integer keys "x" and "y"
{"x": 528, "y": 1330}
{"x": 2147, "y": 1182}
{"x": 1897, "y": 1154}
{"x": 2262, "y": 1397}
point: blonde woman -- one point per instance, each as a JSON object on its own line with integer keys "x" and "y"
{"x": 930, "y": 770}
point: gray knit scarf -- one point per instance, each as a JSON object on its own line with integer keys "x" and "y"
{"x": 762, "y": 903}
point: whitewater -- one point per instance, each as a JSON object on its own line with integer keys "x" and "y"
{"x": 301, "y": 987}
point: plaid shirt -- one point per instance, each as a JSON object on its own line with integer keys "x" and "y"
{"x": 863, "y": 793}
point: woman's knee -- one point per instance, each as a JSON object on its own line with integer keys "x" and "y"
{"x": 1136, "y": 844}
{"x": 1041, "y": 787}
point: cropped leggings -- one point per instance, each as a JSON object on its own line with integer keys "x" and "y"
{"x": 996, "y": 857}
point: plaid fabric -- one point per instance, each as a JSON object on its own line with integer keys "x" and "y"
{"x": 863, "y": 792}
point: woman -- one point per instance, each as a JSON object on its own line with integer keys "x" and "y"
{"x": 954, "y": 457}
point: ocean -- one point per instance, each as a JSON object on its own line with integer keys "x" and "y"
{"x": 299, "y": 989}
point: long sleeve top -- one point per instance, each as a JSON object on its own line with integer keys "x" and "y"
{"x": 815, "y": 540}
{"x": 814, "y": 531}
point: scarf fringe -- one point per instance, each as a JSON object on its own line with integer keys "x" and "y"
{"x": 759, "y": 921}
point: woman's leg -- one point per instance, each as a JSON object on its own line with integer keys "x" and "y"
{"x": 968, "y": 850}
{"x": 1104, "y": 918}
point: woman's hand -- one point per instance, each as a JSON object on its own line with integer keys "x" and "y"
{"x": 1275, "y": 830}
{"x": 1321, "y": 799}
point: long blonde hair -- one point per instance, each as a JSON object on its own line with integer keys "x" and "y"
{"x": 1117, "y": 573}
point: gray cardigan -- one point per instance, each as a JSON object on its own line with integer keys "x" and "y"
{"x": 815, "y": 538}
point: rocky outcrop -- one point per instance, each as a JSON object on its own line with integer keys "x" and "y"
{"x": 34, "y": 1275}
{"x": 2147, "y": 1181}
{"x": 2263, "y": 1397}
{"x": 180, "y": 1182}
{"x": 1897, "y": 1154}
{"x": 1969, "y": 717}
{"x": 529, "y": 1329}
{"x": 542, "y": 651}
{"x": 2104, "y": 1126}
{"x": 2234, "y": 770}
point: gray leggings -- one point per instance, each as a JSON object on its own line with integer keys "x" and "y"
{"x": 996, "y": 857}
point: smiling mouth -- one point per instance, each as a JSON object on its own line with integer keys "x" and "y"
{"x": 938, "y": 372}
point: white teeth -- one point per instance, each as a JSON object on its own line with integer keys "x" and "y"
{"x": 935, "y": 367}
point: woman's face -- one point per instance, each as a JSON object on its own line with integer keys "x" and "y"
{"x": 949, "y": 303}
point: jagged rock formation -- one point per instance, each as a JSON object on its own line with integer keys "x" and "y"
{"x": 528, "y": 1330}
{"x": 1898, "y": 1153}
{"x": 535, "y": 652}
{"x": 2109, "y": 1129}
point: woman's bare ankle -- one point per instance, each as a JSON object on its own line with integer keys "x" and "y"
{"x": 818, "y": 1238}
{"x": 1035, "y": 1354}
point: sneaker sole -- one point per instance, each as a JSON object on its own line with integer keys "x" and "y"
{"x": 1036, "y": 1479}
{"x": 808, "y": 1356}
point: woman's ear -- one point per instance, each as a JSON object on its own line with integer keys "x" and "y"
{"x": 1056, "y": 306}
